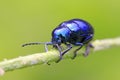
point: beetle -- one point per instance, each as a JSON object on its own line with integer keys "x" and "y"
{"x": 77, "y": 32}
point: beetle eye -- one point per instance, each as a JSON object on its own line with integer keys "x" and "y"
{"x": 57, "y": 38}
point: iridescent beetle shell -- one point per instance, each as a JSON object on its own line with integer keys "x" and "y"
{"x": 73, "y": 31}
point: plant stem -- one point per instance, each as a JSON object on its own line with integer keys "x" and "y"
{"x": 50, "y": 56}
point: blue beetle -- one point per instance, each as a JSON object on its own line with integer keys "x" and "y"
{"x": 76, "y": 32}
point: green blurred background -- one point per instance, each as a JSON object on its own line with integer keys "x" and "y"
{"x": 24, "y": 21}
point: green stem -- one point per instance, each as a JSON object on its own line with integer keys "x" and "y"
{"x": 50, "y": 56}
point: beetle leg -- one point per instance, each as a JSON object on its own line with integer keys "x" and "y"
{"x": 75, "y": 52}
{"x": 87, "y": 51}
{"x": 59, "y": 49}
{"x": 46, "y": 47}
{"x": 69, "y": 47}
{"x": 89, "y": 45}
{"x": 62, "y": 53}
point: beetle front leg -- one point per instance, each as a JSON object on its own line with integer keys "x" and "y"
{"x": 46, "y": 47}
{"x": 62, "y": 53}
{"x": 59, "y": 49}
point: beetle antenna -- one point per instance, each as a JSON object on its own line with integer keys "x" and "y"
{"x": 32, "y": 43}
{"x": 37, "y": 43}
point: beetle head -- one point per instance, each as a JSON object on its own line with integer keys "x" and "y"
{"x": 56, "y": 38}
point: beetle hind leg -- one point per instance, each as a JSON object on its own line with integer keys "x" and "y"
{"x": 87, "y": 50}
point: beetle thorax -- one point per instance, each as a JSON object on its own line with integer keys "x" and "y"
{"x": 60, "y": 35}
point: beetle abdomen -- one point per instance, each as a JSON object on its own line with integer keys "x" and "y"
{"x": 80, "y": 29}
